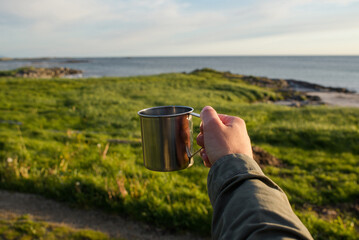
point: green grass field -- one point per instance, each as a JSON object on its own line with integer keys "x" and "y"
{"x": 54, "y": 142}
{"x": 25, "y": 228}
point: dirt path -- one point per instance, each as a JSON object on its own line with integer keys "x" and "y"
{"x": 14, "y": 204}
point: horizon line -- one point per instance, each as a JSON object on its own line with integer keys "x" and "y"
{"x": 5, "y": 58}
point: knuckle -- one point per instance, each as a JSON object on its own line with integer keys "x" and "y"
{"x": 240, "y": 121}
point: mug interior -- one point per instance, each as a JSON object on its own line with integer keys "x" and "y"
{"x": 165, "y": 111}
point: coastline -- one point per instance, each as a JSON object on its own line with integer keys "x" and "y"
{"x": 335, "y": 71}
{"x": 296, "y": 93}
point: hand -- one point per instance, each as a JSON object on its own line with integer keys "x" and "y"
{"x": 221, "y": 135}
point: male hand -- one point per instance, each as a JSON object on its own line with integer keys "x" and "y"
{"x": 221, "y": 135}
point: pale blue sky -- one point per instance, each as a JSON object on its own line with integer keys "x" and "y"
{"x": 58, "y": 28}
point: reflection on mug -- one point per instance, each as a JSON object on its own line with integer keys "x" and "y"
{"x": 183, "y": 144}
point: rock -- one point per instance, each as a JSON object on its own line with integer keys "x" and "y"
{"x": 312, "y": 87}
{"x": 266, "y": 82}
{"x": 314, "y": 98}
{"x": 329, "y": 213}
{"x": 295, "y": 104}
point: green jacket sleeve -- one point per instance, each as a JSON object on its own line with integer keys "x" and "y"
{"x": 248, "y": 205}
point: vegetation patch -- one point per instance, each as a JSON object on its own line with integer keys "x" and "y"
{"x": 25, "y": 228}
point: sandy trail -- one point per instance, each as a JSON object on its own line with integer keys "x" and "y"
{"x": 337, "y": 98}
{"x": 329, "y": 98}
{"x": 14, "y": 204}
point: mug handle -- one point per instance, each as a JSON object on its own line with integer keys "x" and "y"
{"x": 195, "y": 114}
{"x": 190, "y": 155}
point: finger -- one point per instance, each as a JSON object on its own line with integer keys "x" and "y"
{"x": 208, "y": 114}
{"x": 202, "y": 152}
{"x": 207, "y": 164}
{"x": 206, "y": 161}
{"x": 201, "y": 127}
{"x": 200, "y": 140}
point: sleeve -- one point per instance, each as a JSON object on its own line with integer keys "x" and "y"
{"x": 248, "y": 205}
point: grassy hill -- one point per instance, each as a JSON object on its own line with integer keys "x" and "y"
{"x": 54, "y": 141}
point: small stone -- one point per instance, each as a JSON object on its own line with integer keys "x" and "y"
{"x": 295, "y": 104}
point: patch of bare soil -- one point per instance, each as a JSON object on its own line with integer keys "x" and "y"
{"x": 13, "y": 204}
{"x": 331, "y": 212}
{"x": 264, "y": 158}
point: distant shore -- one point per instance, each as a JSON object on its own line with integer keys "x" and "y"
{"x": 335, "y": 71}
{"x": 309, "y": 93}
{"x": 62, "y": 60}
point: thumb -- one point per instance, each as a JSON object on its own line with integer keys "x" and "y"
{"x": 208, "y": 114}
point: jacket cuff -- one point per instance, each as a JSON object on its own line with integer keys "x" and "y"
{"x": 226, "y": 168}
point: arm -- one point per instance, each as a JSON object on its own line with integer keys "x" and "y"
{"x": 246, "y": 203}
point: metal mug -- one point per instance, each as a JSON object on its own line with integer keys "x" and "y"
{"x": 167, "y": 141}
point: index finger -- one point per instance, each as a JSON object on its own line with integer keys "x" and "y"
{"x": 226, "y": 119}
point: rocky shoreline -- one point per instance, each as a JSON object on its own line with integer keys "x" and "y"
{"x": 47, "y": 72}
{"x": 291, "y": 84}
{"x": 312, "y": 87}
{"x": 298, "y": 93}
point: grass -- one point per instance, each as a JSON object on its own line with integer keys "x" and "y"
{"x": 54, "y": 132}
{"x": 25, "y": 228}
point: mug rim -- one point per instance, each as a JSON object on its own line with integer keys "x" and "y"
{"x": 190, "y": 109}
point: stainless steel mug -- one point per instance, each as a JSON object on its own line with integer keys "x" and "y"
{"x": 167, "y": 141}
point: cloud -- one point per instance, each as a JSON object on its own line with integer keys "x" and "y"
{"x": 278, "y": 17}
{"x": 160, "y": 27}
{"x": 339, "y": 2}
{"x": 51, "y": 10}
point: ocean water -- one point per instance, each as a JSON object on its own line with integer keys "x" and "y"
{"x": 334, "y": 71}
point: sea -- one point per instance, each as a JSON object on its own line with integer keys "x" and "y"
{"x": 332, "y": 71}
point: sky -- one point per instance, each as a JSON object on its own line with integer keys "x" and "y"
{"x": 121, "y": 28}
